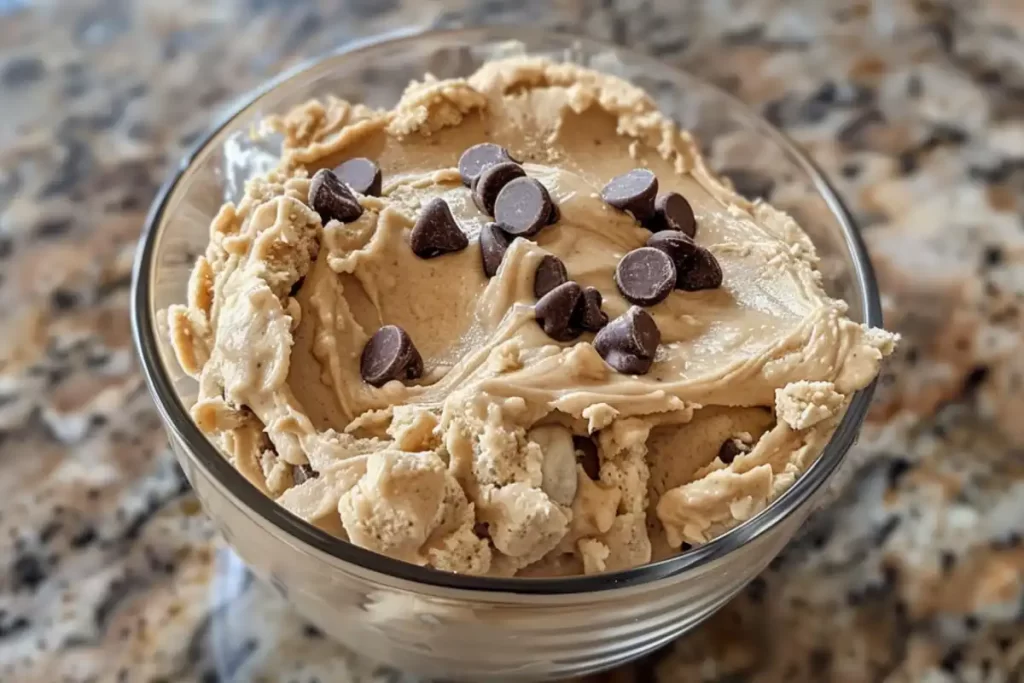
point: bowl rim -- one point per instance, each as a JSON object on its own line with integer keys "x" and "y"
{"x": 245, "y": 495}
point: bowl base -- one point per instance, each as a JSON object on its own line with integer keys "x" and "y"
{"x": 251, "y": 633}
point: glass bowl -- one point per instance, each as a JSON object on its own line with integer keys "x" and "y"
{"x": 446, "y": 625}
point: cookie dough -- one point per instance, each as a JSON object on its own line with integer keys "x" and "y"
{"x": 478, "y": 463}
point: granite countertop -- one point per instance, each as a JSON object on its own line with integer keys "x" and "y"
{"x": 110, "y": 572}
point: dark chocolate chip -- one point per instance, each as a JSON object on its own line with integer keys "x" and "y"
{"x": 490, "y": 182}
{"x": 493, "y": 245}
{"x": 679, "y": 247}
{"x": 555, "y": 215}
{"x": 645, "y": 276}
{"x": 522, "y": 207}
{"x": 700, "y": 272}
{"x": 696, "y": 267}
{"x": 730, "y": 449}
{"x": 586, "y": 456}
{"x": 332, "y": 199}
{"x": 390, "y": 355}
{"x": 478, "y": 157}
{"x": 362, "y": 175}
{"x": 436, "y": 232}
{"x": 588, "y": 314}
{"x": 673, "y": 212}
{"x": 303, "y": 473}
{"x": 633, "y": 191}
{"x": 550, "y": 273}
{"x": 554, "y": 311}
{"x": 629, "y": 342}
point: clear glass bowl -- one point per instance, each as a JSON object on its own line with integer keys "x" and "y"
{"x": 447, "y": 625}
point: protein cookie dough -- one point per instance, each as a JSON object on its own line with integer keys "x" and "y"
{"x": 401, "y": 386}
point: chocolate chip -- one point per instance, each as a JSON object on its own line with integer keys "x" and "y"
{"x": 700, "y": 272}
{"x": 362, "y": 175}
{"x": 679, "y": 247}
{"x": 522, "y": 207}
{"x": 629, "y": 342}
{"x": 490, "y": 182}
{"x": 303, "y": 473}
{"x": 633, "y": 191}
{"x": 493, "y": 245}
{"x": 390, "y": 355}
{"x": 332, "y": 199}
{"x": 588, "y": 314}
{"x": 645, "y": 276}
{"x": 550, "y": 273}
{"x": 555, "y": 215}
{"x": 436, "y": 231}
{"x": 478, "y": 157}
{"x": 673, "y": 212}
{"x": 586, "y": 456}
{"x": 554, "y": 311}
{"x": 730, "y": 449}
{"x": 696, "y": 267}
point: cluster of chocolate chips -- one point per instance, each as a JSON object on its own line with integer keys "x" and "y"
{"x": 568, "y": 310}
{"x": 671, "y": 259}
{"x": 647, "y": 275}
{"x": 332, "y": 193}
{"x": 521, "y": 207}
{"x": 390, "y": 353}
{"x": 500, "y": 188}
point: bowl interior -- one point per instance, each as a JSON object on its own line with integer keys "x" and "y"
{"x": 737, "y": 143}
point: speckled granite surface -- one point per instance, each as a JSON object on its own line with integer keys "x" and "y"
{"x": 109, "y": 570}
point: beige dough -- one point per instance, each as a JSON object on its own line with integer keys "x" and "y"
{"x": 470, "y": 469}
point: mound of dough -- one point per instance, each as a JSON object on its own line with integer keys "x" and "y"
{"x": 478, "y": 466}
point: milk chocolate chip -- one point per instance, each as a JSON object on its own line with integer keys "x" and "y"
{"x": 332, "y": 199}
{"x": 390, "y": 355}
{"x": 362, "y": 175}
{"x": 633, "y": 191}
{"x": 436, "y": 232}
{"x": 629, "y": 342}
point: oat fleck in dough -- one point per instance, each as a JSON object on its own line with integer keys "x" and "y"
{"x": 469, "y": 466}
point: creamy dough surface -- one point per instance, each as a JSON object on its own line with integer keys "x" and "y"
{"x": 473, "y": 467}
